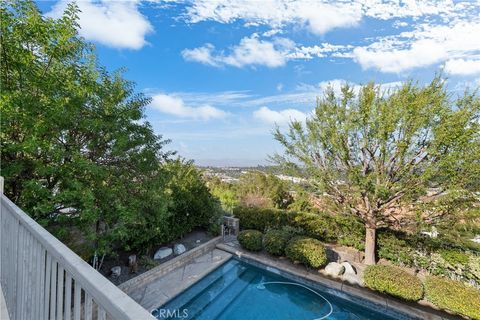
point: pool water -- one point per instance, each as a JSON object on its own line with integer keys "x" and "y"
{"x": 237, "y": 290}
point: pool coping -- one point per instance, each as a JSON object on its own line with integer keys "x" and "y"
{"x": 169, "y": 265}
{"x": 301, "y": 274}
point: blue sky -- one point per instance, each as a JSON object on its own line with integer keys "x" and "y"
{"x": 223, "y": 73}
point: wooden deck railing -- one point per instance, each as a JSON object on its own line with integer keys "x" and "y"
{"x": 41, "y": 278}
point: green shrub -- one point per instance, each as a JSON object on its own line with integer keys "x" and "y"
{"x": 394, "y": 281}
{"x": 261, "y": 218}
{"x": 250, "y": 239}
{"x": 453, "y": 295}
{"x": 308, "y": 251}
{"x": 454, "y": 257}
{"x": 391, "y": 247}
{"x": 275, "y": 241}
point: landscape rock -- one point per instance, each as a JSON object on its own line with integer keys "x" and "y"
{"x": 334, "y": 269}
{"x": 162, "y": 253}
{"x": 116, "y": 271}
{"x": 348, "y": 268}
{"x": 179, "y": 248}
{"x": 352, "y": 279}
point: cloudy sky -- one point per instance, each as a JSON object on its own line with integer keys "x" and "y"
{"x": 222, "y": 73}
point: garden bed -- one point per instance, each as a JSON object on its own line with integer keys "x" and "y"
{"x": 146, "y": 262}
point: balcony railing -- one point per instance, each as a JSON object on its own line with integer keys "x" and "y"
{"x": 41, "y": 278}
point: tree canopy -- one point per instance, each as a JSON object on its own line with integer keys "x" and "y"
{"x": 372, "y": 150}
{"x": 76, "y": 150}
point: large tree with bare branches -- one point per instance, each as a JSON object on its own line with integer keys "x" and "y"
{"x": 372, "y": 150}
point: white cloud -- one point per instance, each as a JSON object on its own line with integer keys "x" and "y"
{"x": 426, "y": 45}
{"x": 420, "y": 54}
{"x": 250, "y": 51}
{"x": 116, "y": 24}
{"x": 437, "y": 30}
{"x": 463, "y": 67}
{"x": 176, "y": 106}
{"x": 318, "y": 17}
{"x": 281, "y": 117}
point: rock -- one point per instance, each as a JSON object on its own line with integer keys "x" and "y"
{"x": 198, "y": 241}
{"x": 132, "y": 263}
{"x": 116, "y": 271}
{"x": 348, "y": 268}
{"x": 162, "y": 253}
{"x": 352, "y": 279}
{"x": 334, "y": 269}
{"x": 179, "y": 248}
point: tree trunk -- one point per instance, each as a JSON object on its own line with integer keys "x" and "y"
{"x": 370, "y": 239}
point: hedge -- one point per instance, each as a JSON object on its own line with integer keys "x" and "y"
{"x": 343, "y": 229}
{"x": 394, "y": 281}
{"x": 275, "y": 241}
{"x": 308, "y": 251}
{"x": 250, "y": 239}
{"x": 453, "y": 295}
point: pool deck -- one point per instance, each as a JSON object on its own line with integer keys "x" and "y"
{"x": 161, "y": 284}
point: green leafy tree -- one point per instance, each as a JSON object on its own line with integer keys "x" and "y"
{"x": 267, "y": 187}
{"x": 225, "y": 192}
{"x": 371, "y": 151}
{"x": 191, "y": 204}
{"x": 75, "y": 150}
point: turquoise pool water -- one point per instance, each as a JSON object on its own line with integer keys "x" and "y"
{"x": 240, "y": 291}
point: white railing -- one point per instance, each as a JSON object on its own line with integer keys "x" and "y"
{"x": 41, "y": 278}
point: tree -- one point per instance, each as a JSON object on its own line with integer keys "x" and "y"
{"x": 372, "y": 151}
{"x": 264, "y": 190}
{"x": 75, "y": 149}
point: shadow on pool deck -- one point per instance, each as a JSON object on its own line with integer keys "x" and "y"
{"x": 162, "y": 283}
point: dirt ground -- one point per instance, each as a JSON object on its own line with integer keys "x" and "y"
{"x": 145, "y": 263}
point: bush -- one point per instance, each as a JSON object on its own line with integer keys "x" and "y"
{"x": 275, "y": 242}
{"x": 261, "y": 219}
{"x": 453, "y": 295}
{"x": 308, "y": 251}
{"x": 392, "y": 247}
{"x": 394, "y": 281}
{"x": 250, "y": 239}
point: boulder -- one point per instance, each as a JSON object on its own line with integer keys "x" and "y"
{"x": 348, "y": 268}
{"x": 179, "y": 248}
{"x": 162, "y": 253}
{"x": 352, "y": 279}
{"x": 116, "y": 271}
{"x": 334, "y": 269}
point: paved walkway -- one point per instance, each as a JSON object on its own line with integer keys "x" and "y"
{"x": 155, "y": 293}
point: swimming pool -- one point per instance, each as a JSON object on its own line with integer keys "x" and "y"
{"x": 240, "y": 291}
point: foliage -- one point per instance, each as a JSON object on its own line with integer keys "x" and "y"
{"x": 250, "y": 239}
{"x": 275, "y": 241}
{"x": 191, "y": 204}
{"x": 454, "y": 296}
{"x": 308, "y": 251}
{"x": 394, "y": 281}
{"x": 266, "y": 189}
{"x": 393, "y": 248}
{"x": 344, "y": 229}
{"x": 374, "y": 150}
{"x": 77, "y": 153}
{"x": 262, "y": 219}
{"x": 225, "y": 192}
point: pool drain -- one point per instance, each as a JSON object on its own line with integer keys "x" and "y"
{"x": 261, "y": 286}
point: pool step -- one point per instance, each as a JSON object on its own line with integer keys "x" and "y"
{"x": 207, "y": 290}
{"x": 178, "y": 302}
{"x": 218, "y": 306}
{"x": 197, "y": 307}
